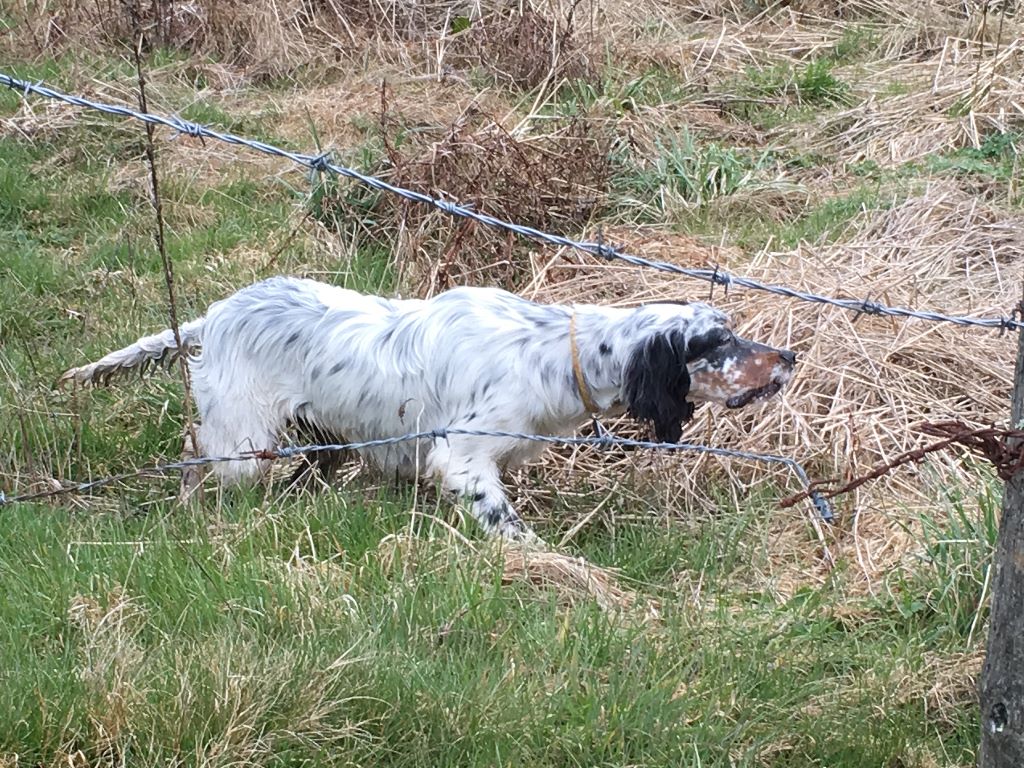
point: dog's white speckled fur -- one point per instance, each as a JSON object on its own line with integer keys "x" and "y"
{"x": 361, "y": 367}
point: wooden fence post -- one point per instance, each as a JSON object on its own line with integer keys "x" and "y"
{"x": 1001, "y": 689}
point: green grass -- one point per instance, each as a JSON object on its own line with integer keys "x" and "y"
{"x": 340, "y": 629}
{"x": 992, "y": 168}
{"x": 751, "y": 225}
{"x": 782, "y": 94}
{"x": 684, "y": 172}
{"x": 296, "y": 632}
{"x": 826, "y": 221}
{"x": 857, "y": 43}
{"x": 995, "y": 161}
{"x": 943, "y": 597}
{"x": 620, "y": 92}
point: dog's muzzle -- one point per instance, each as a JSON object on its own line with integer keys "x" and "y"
{"x": 741, "y": 372}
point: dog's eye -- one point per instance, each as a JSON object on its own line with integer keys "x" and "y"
{"x": 700, "y": 346}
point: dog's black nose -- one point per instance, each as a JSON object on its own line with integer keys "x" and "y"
{"x": 788, "y": 357}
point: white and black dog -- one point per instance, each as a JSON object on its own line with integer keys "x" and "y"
{"x": 291, "y": 351}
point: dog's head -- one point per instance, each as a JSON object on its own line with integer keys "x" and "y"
{"x": 688, "y": 354}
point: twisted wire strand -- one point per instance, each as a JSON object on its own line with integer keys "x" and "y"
{"x": 322, "y": 163}
{"x": 604, "y": 441}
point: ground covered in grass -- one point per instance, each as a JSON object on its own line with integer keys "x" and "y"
{"x": 863, "y": 149}
{"x": 309, "y": 631}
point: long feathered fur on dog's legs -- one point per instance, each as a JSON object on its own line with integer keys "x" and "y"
{"x": 467, "y": 467}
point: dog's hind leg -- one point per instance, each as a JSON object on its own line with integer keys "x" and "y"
{"x": 235, "y": 421}
{"x": 192, "y": 476}
{"x": 320, "y": 464}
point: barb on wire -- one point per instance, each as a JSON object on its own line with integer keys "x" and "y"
{"x": 321, "y": 162}
{"x": 604, "y": 440}
{"x": 1003, "y": 448}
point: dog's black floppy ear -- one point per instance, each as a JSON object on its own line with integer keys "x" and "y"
{"x": 656, "y": 383}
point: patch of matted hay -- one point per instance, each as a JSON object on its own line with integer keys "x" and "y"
{"x": 953, "y": 99}
{"x": 714, "y": 57}
{"x": 346, "y": 113}
{"x": 862, "y": 382}
{"x": 555, "y": 181}
{"x": 341, "y": 117}
{"x": 267, "y": 37}
{"x": 571, "y": 579}
{"x": 697, "y": 50}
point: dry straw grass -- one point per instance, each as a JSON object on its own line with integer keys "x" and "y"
{"x": 863, "y": 382}
{"x": 573, "y": 579}
{"x": 267, "y": 37}
{"x": 944, "y": 685}
{"x": 111, "y": 660}
{"x": 555, "y": 181}
{"x": 954, "y": 98}
{"x": 524, "y": 44}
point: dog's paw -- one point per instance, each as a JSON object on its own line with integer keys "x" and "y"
{"x": 529, "y": 540}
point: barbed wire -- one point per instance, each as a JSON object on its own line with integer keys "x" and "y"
{"x": 1002, "y": 447}
{"x": 322, "y": 163}
{"x": 606, "y": 440}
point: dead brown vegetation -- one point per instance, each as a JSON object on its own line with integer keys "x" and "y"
{"x": 526, "y": 47}
{"x": 863, "y": 382}
{"x": 555, "y": 181}
{"x": 471, "y": 114}
{"x": 520, "y": 44}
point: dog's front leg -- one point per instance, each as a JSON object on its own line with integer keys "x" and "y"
{"x": 474, "y": 477}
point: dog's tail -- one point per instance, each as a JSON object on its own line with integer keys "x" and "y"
{"x": 158, "y": 349}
